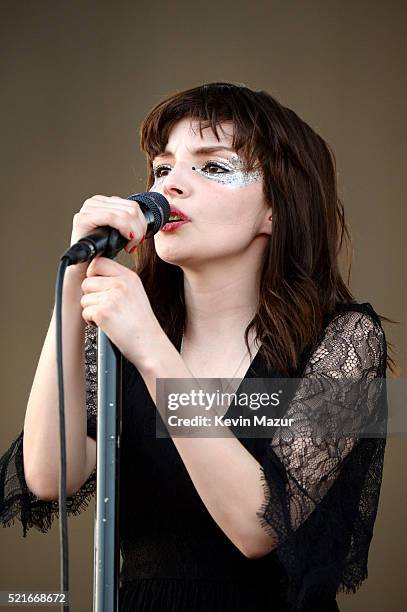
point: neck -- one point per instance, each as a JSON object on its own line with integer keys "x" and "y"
{"x": 219, "y": 301}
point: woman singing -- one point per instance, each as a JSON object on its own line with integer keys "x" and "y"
{"x": 246, "y": 285}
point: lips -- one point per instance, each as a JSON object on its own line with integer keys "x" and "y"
{"x": 173, "y": 226}
{"x": 174, "y": 211}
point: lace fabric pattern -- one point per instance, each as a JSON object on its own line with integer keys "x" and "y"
{"x": 321, "y": 494}
{"x": 16, "y": 500}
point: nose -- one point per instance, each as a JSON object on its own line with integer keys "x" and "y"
{"x": 177, "y": 181}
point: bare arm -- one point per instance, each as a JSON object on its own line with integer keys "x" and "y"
{"x": 41, "y": 426}
{"x": 41, "y": 446}
{"x": 226, "y": 476}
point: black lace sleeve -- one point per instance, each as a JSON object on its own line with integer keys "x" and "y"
{"x": 322, "y": 492}
{"x": 16, "y": 500}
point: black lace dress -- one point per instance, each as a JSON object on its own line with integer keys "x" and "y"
{"x": 321, "y": 499}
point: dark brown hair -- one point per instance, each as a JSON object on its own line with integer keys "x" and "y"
{"x": 301, "y": 282}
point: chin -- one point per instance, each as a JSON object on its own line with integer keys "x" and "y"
{"x": 171, "y": 253}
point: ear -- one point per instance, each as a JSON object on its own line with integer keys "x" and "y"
{"x": 267, "y": 221}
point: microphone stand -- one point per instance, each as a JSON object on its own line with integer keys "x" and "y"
{"x": 106, "y": 531}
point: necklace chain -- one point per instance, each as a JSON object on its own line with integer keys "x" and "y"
{"x": 237, "y": 369}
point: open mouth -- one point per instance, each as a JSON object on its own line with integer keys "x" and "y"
{"x": 173, "y": 223}
{"x": 175, "y": 218}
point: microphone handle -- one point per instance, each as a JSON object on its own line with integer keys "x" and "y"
{"x": 106, "y": 240}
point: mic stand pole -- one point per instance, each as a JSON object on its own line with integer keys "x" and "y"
{"x": 106, "y": 532}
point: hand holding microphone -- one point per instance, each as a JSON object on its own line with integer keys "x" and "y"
{"x": 105, "y": 225}
{"x": 113, "y": 296}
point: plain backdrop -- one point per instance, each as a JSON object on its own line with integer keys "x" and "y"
{"x": 77, "y": 79}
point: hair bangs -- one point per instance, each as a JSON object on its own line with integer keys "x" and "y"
{"x": 208, "y": 106}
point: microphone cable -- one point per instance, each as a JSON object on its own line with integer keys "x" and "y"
{"x": 63, "y": 525}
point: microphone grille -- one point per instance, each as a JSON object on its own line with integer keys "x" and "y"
{"x": 157, "y": 204}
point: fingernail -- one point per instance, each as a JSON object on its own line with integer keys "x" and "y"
{"x": 142, "y": 240}
{"x": 133, "y": 249}
{"x": 131, "y": 235}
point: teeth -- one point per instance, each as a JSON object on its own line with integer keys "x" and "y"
{"x": 173, "y": 218}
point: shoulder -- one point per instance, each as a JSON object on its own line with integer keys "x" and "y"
{"x": 353, "y": 322}
{"x": 353, "y": 311}
{"x": 352, "y": 338}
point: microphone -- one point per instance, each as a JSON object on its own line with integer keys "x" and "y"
{"x": 108, "y": 241}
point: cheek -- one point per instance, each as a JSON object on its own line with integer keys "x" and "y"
{"x": 224, "y": 205}
{"x": 224, "y": 226}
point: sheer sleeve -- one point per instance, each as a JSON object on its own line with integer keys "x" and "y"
{"x": 322, "y": 491}
{"x": 16, "y": 500}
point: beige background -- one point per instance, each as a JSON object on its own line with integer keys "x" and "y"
{"x": 77, "y": 79}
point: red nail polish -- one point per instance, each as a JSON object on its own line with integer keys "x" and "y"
{"x": 131, "y": 235}
{"x": 142, "y": 240}
{"x": 133, "y": 249}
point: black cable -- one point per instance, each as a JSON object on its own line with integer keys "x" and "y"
{"x": 63, "y": 526}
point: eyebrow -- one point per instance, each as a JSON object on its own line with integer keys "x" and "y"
{"x": 199, "y": 151}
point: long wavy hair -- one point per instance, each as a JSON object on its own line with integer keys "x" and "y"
{"x": 301, "y": 282}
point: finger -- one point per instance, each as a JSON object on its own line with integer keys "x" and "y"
{"x": 105, "y": 267}
{"x": 134, "y": 244}
{"x": 97, "y": 283}
{"x": 105, "y": 198}
{"x": 110, "y": 204}
{"x": 92, "y": 299}
{"x": 114, "y": 203}
{"x": 91, "y": 314}
{"x": 123, "y": 221}
{"x": 135, "y": 225}
{"x": 106, "y": 206}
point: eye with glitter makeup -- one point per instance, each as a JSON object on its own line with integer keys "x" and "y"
{"x": 228, "y": 172}
{"x": 219, "y": 169}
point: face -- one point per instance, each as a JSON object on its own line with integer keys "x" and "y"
{"x": 226, "y": 207}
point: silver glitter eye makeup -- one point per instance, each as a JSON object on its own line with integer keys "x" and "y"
{"x": 157, "y": 170}
{"x": 211, "y": 163}
{"x": 235, "y": 177}
{"x": 227, "y": 172}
